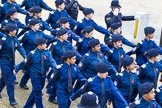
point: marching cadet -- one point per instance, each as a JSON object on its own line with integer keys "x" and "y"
{"x": 102, "y": 85}
{"x": 28, "y": 4}
{"x": 29, "y": 44}
{"x": 116, "y": 29}
{"x": 53, "y": 19}
{"x": 87, "y": 33}
{"x": 9, "y": 45}
{"x": 38, "y": 63}
{"x": 12, "y": 19}
{"x": 88, "y": 21}
{"x": 89, "y": 100}
{"x": 148, "y": 97}
{"x": 158, "y": 96}
{"x": 59, "y": 47}
{"x": 128, "y": 81}
{"x": 36, "y": 14}
{"x": 92, "y": 58}
{"x": 65, "y": 77}
{"x": 146, "y": 44}
{"x": 149, "y": 72}
{"x": 64, "y": 22}
{"x": 10, "y": 4}
{"x": 73, "y": 7}
{"x": 115, "y": 16}
{"x": 117, "y": 52}
{"x": 36, "y": 11}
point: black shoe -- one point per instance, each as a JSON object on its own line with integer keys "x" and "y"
{"x": 24, "y": 87}
{"x": 0, "y": 95}
{"x": 16, "y": 82}
{"x": 53, "y": 101}
{"x": 13, "y": 103}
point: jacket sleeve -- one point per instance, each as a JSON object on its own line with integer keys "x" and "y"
{"x": 119, "y": 99}
{"x": 82, "y": 90}
{"x": 45, "y": 6}
{"x": 23, "y": 11}
{"x": 100, "y": 29}
{"x": 21, "y": 50}
{"x": 69, "y": 5}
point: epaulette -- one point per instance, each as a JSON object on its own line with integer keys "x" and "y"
{"x": 80, "y": 64}
{"x": 3, "y": 38}
{"x": 141, "y": 42}
{"x": 157, "y": 90}
{"x": 143, "y": 66}
{"x": 108, "y": 18}
{"x": 32, "y": 52}
{"x": 57, "y": 29}
{"x": 108, "y": 77}
{"x": 54, "y": 43}
{"x": 90, "y": 79}
{"x": 87, "y": 54}
{"x": 39, "y": 30}
{"x": 49, "y": 46}
{"x": 46, "y": 49}
{"x": 6, "y": 21}
{"x": 80, "y": 40}
{"x": 133, "y": 71}
{"x": 137, "y": 102}
{"x": 26, "y": 32}
{"x": 110, "y": 37}
{"x": 111, "y": 51}
{"x": 52, "y": 75}
{"x": 59, "y": 66}
{"x": 119, "y": 74}
{"x": 115, "y": 83}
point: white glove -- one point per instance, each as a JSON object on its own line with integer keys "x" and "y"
{"x": 137, "y": 17}
{"x": 116, "y": 11}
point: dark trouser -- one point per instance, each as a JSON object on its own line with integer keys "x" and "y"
{"x": 25, "y": 78}
{"x": 63, "y": 98}
{"x": 53, "y": 91}
{"x": 7, "y": 78}
{"x": 66, "y": 105}
{"x": 36, "y": 94}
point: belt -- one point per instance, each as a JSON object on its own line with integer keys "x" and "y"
{"x": 6, "y": 58}
{"x": 37, "y": 74}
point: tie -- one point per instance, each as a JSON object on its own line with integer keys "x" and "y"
{"x": 102, "y": 92}
{"x": 155, "y": 74}
{"x": 69, "y": 80}
{"x": 148, "y": 44}
{"x": 42, "y": 63}
{"x": 98, "y": 58}
{"x": 63, "y": 48}
{"x": 119, "y": 67}
{"x": 33, "y": 3}
{"x": 130, "y": 87}
{"x": 13, "y": 49}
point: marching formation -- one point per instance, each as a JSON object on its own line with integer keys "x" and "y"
{"x": 73, "y": 61}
